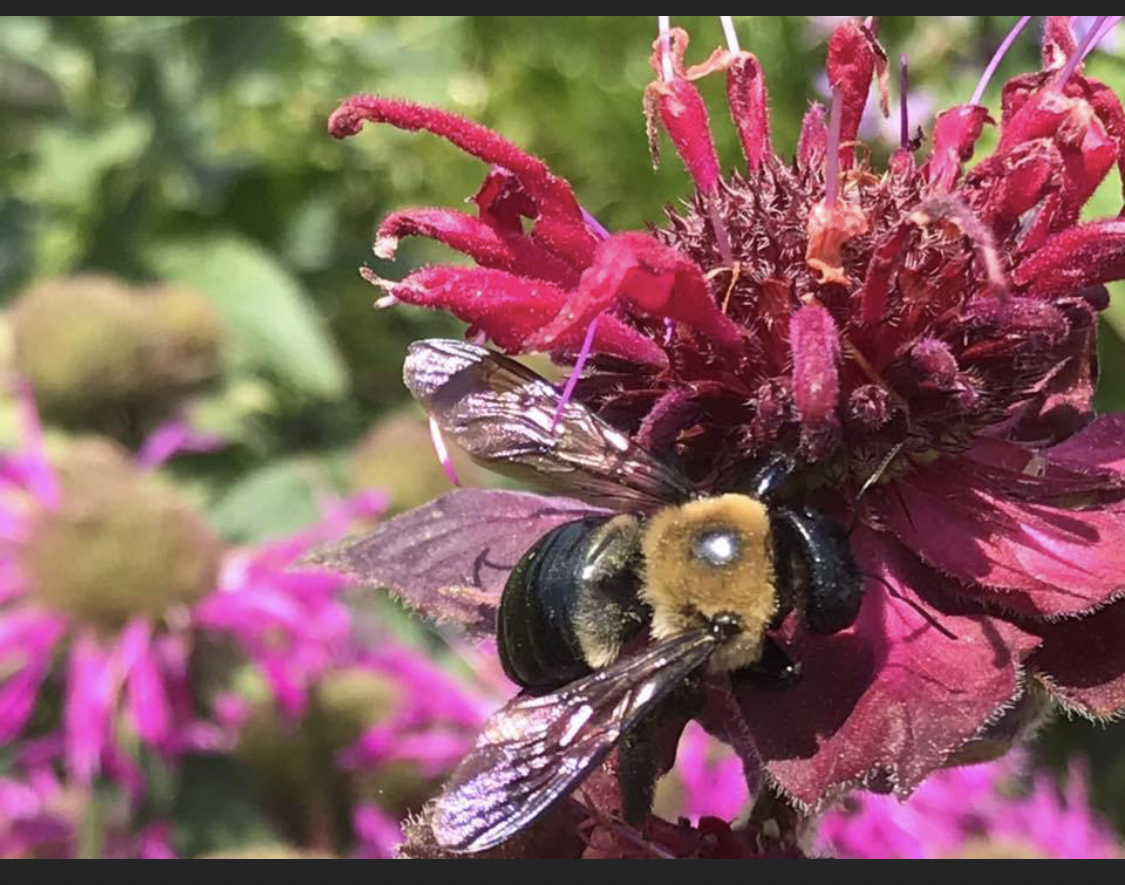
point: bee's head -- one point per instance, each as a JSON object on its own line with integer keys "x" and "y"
{"x": 707, "y": 562}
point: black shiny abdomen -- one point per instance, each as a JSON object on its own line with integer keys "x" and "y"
{"x": 813, "y": 558}
{"x": 580, "y": 576}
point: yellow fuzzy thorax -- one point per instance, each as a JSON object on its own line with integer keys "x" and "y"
{"x": 685, "y": 591}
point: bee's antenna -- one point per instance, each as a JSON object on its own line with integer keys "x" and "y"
{"x": 872, "y": 480}
{"x": 929, "y": 618}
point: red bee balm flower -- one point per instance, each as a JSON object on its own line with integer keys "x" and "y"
{"x": 921, "y": 341}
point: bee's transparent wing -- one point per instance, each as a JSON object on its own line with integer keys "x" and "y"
{"x": 537, "y": 749}
{"x": 502, "y": 414}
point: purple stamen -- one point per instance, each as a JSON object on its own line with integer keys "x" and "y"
{"x": 731, "y": 35}
{"x": 997, "y": 57}
{"x": 579, "y": 365}
{"x": 1112, "y": 22}
{"x": 904, "y": 111}
{"x": 443, "y": 453}
{"x": 1087, "y": 44}
{"x": 722, "y": 238}
{"x": 667, "y": 71}
{"x": 596, "y": 226}
{"x": 832, "y": 171}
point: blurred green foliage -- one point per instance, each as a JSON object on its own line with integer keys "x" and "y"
{"x": 193, "y": 149}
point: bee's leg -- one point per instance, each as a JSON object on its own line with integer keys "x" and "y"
{"x": 774, "y": 670}
{"x": 649, "y": 750}
{"x": 637, "y": 772}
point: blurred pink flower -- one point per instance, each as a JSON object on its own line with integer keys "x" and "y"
{"x": 975, "y": 811}
{"x": 41, "y": 817}
{"x": 123, "y": 653}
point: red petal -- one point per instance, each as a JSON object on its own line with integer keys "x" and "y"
{"x": 813, "y": 143}
{"x": 502, "y": 201}
{"x": 853, "y": 54}
{"x": 1084, "y": 661}
{"x": 486, "y": 245}
{"x": 1058, "y": 42}
{"x": 509, "y": 309}
{"x": 882, "y": 267}
{"x": 685, "y": 119}
{"x": 1073, "y": 123}
{"x": 816, "y": 353}
{"x": 1101, "y": 445}
{"x": 749, "y": 108}
{"x": 955, "y": 136}
{"x": 892, "y": 697}
{"x": 651, "y": 277}
{"x": 1076, "y": 258}
{"x": 1005, "y": 540}
{"x": 553, "y": 196}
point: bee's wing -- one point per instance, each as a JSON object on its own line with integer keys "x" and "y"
{"x": 502, "y": 414}
{"x": 536, "y": 749}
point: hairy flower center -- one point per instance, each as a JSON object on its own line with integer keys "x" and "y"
{"x": 118, "y": 546}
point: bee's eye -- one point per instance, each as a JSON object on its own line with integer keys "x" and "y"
{"x": 717, "y": 547}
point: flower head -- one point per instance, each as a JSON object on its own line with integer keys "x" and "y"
{"x": 992, "y": 810}
{"x": 108, "y": 580}
{"x": 918, "y": 340}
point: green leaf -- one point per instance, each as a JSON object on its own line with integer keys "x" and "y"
{"x": 270, "y": 502}
{"x": 267, "y": 312}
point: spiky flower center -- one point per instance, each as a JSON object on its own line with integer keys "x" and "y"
{"x": 922, "y": 345}
{"x": 119, "y": 546}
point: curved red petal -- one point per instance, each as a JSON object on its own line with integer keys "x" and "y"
{"x": 652, "y": 279}
{"x": 853, "y": 57}
{"x": 955, "y": 136}
{"x": 485, "y": 244}
{"x": 685, "y": 119}
{"x": 748, "y": 99}
{"x": 1083, "y": 662}
{"x": 1076, "y": 258}
{"x": 1009, "y": 544}
{"x": 887, "y": 701}
{"x": 553, "y": 195}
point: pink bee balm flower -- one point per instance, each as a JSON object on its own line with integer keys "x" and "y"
{"x": 106, "y": 579}
{"x": 992, "y": 810}
{"x": 919, "y": 342}
{"x": 41, "y": 817}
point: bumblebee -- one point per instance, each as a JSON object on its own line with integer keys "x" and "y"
{"x": 607, "y": 616}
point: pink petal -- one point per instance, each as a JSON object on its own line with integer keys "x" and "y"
{"x": 1042, "y": 560}
{"x": 955, "y": 136}
{"x": 813, "y": 143}
{"x": 553, "y": 196}
{"x": 93, "y": 680}
{"x": 853, "y": 56}
{"x": 379, "y": 834}
{"x": 815, "y": 342}
{"x": 174, "y": 438}
{"x": 651, "y": 277}
{"x": 1083, "y": 661}
{"x": 888, "y": 700}
{"x": 686, "y": 121}
{"x": 1076, "y": 258}
{"x": 748, "y": 99}
{"x": 146, "y": 697}
{"x": 27, "y": 644}
{"x": 485, "y": 244}
{"x": 511, "y": 309}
